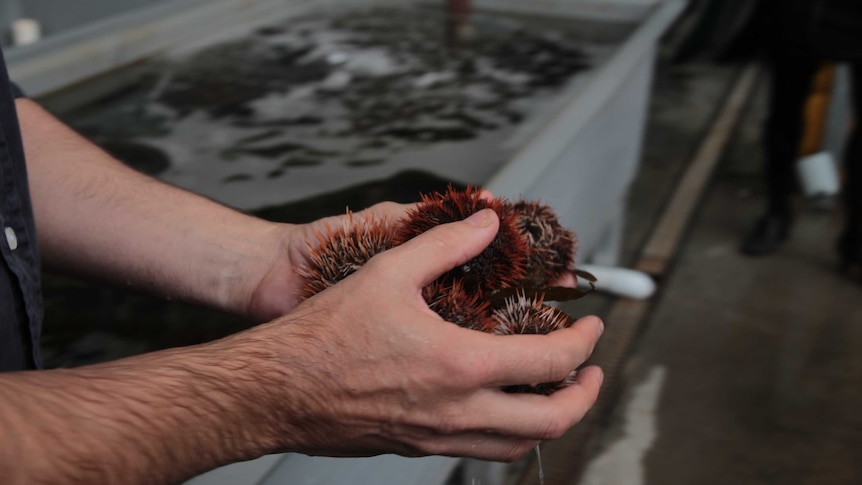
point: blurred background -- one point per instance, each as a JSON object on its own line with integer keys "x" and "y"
{"x": 639, "y": 121}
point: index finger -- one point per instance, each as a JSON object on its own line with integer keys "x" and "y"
{"x": 441, "y": 248}
{"x": 532, "y": 359}
{"x": 536, "y": 417}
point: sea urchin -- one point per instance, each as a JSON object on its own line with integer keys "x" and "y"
{"x": 501, "y": 265}
{"x": 500, "y": 291}
{"x": 343, "y": 250}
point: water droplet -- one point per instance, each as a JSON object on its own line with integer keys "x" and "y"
{"x": 541, "y": 469}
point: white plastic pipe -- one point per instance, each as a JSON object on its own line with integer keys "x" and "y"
{"x": 623, "y": 282}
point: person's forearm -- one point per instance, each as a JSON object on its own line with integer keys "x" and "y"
{"x": 362, "y": 368}
{"x": 96, "y": 217}
{"x": 159, "y": 418}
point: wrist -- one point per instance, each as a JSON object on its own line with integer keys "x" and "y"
{"x": 252, "y": 253}
{"x": 271, "y": 287}
{"x": 263, "y": 382}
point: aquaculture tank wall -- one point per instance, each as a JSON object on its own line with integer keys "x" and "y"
{"x": 264, "y": 104}
{"x": 54, "y": 20}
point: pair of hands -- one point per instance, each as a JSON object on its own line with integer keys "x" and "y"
{"x": 367, "y": 368}
{"x": 362, "y": 368}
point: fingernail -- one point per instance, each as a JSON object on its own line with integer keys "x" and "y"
{"x": 480, "y": 219}
{"x": 601, "y": 327}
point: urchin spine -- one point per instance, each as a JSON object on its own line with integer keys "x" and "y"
{"x": 531, "y": 250}
{"x": 501, "y": 265}
{"x": 552, "y": 247}
{"x": 343, "y": 250}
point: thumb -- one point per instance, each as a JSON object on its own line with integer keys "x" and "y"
{"x": 429, "y": 255}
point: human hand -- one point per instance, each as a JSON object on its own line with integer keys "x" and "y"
{"x": 365, "y": 367}
{"x": 277, "y": 292}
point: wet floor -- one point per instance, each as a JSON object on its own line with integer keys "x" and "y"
{"x": 749, "y": 370}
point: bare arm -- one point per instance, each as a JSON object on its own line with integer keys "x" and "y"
{"x": 156, "y": 418}
{"x": 98, "y": 218}
{"x": 360, "y": 369}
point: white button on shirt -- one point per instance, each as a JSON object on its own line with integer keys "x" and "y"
{"x": 11, "y": 238}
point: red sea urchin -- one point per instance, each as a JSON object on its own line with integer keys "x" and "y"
{"x": 552, "y": 247}
{"x": 456, "y": 305}
{"x": 343, "y": 250}
{"x": 501, "y": 265}
{"x": 523, "y": 314}
{"x": 501, "y": 291}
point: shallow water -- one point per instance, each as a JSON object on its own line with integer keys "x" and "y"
{"x": 319, "y": 103}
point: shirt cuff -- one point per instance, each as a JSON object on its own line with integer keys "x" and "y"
{"x": 17, "y": 92}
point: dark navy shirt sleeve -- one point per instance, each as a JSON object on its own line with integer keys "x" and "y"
{"x": 20, "y": 291}
{"x": 17, "y": 92}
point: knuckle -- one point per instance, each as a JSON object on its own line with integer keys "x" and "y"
{"x": 450, "y": 424}
{"x": 438, "y": 236}
{"x": 516, "y": 452}
{"x": 445, "y": 415}
{"x": 559, "y": 367}
{"x": 553, "y": 429}
{"x": 386, "y": 206}
{"x": 458, "y": 378}
{"x": 467, "y": 370}
{"x": 431, "y": 448}
{"x": 385, "y": 211}
{"x": 383, "y": 265}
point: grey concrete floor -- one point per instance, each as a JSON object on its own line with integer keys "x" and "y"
{"x": 749, "y": 371}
